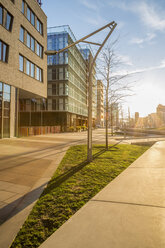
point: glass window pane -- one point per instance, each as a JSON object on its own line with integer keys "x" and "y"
{"x": 28, "y": 14}
{"x": 1, "y": 15}
{"x": 38, "y": 25}
{"x": 41, "y": 51}
{"x": 20, "y": 63}
{"x": 41, "y": 27}
{"x": 6, "y": 96}
{"x": 4, "y": 53}
{"x": 32, "y": 70}
{"x": 38, "y": 49}
{"x": 0, "y": 86}
{"x": 32, "y": 19}
{"x": 0, "y": 50}
{"x": 23, "y": 7}
{"x": 27, "y": 67}
{"x": 38, "y": 74}
{"x": 21, "y": 36}
{"x": 8, "y": 21}
{"x": 32, "y": 44}
{"x": 7, "y": 88}
{"x": 28, "y": 40}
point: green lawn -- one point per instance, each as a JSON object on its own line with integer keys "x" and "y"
{"x": 74, "y": 183}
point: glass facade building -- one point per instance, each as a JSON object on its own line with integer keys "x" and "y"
{"x": 67, "y": 79}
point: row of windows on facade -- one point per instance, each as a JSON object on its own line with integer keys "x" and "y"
{"x": 57, "y": 41}
{"x": 27, "y": 39}
{"x": 82, "y": 85}
{"x": 58, "y": 59}
{"x": 60, "y": 89}
{"x": 60, "y": 73}
{"x": 78, "y": 70}
{"x": 4, "y": 50}
{"x": 57, "y": 89}
{"x": 30, "y": 69}
{"x": 60, "y": 104}
{"x": 6, "y": 19}
{"x": 41, "y": 104}
{"x": 32, "y": 104}
{"x": 26, "y": 10}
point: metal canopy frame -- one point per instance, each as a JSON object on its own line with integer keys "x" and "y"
{"x": 111, "y": 26}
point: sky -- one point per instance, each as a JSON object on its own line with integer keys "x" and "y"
{"x": 141, "y": 45}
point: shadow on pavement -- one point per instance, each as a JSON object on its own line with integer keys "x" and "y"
{"x": 18, "y": 205}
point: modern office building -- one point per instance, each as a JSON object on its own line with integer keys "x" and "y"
{"x": 23, "y": 65}
{"x": 67, "y": 81}
{"x": 100, "y": 104}
{"x": 160, "y": 110}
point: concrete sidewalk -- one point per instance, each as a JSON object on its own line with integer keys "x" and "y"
{"x": 26, "y": 166}
{"x": 129, "y": 212}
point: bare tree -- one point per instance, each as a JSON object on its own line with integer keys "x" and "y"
{"x": 117, "y": 87}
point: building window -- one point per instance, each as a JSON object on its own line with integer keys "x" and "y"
{"x": 5, "y": 99}
{"x": 61, "y": 76}
{"x": 21, "y": 34}
{"x": 38, "y": 74}
{"x": 39, "y": 50}
{"x": 30, "y": 16}
{"x": 39, "y": 26}
{"x": 23, "y": 7}
{"x": 27, "y": 67}
{"x": 21, "y": 67}
{"x": 30, "y": 42}
{"x": 1, "y": 15}
{"x": 8, "y": 18}
{"x": 30, "y": 68}
{"x": 8, "y": 23}
{"x": 4, "y": 51}
{"x": 55, "y": 89}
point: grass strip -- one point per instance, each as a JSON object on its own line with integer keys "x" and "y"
{"x": 74, "y": 183}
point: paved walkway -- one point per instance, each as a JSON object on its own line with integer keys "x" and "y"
{"x": 26, "y": 165}
{"x": 129, "y": 212}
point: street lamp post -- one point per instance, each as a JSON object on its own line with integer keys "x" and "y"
{"x": 92, "y": 61}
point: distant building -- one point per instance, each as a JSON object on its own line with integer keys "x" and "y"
{"x": 113, "y": 115}
{"x": 160, "y": 110}
{"x": 100, "y": 104}
{"x": 23, "y": 67}
{"x": 86, "y": 53}
{"x": 136, "y": 117}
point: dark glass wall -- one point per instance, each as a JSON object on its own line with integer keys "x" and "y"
{"x": 5, "y": 99}
{"x": 0, "y": 110}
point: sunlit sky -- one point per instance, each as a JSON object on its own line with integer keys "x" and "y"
{"x": 141, "y": 46}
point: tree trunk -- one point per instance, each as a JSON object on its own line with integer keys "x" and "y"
{"x": 106, "y": 120}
